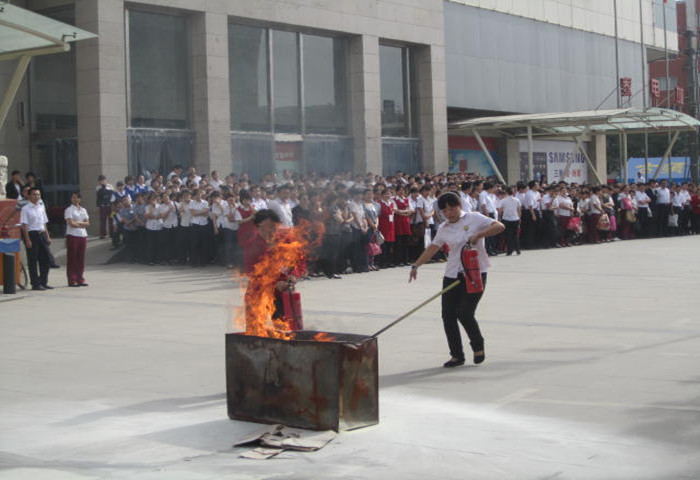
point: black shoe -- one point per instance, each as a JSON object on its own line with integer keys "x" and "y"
{"x": 453, "y": 363}
{"x": 73, "y": 285}
{"x": 38, "y": 287}
{"x": 82, "y": 284}
{"x": 47, "y": 287}
{"x": 54, "y": 266}
{"x": 479, "y": 358}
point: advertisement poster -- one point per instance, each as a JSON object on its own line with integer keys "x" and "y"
{"x": 467, "y": 156}
{"x": 680, "y": 169}
{"x": 555, "y": 155}
{"x": 287, "y": 156}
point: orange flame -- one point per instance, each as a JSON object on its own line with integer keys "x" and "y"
{"x": 324, "y": 337}
{"x": 286, "y": 255}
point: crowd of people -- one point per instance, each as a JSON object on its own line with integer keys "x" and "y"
{"x": 371, "y": 221}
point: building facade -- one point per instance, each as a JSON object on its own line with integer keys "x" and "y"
{"x": 310, "y": 85}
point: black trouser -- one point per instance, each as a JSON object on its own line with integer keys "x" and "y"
{"x": 198, "y": 250}
{"x": 229, "y": 244}
{"x": 401, "y": 256}
{"x": 330, "y": 250}
{"x": 183, "y": 243}
{"x": 530, "y": 228}
{"x": 358, "y": 251}
{"x": 130, "y": 241}
{"x": 38, "y": 254}
{"x": 550, "y": 234}
{"x": 153, "y": 245}
{"x": 168, "y": 244}
{"x": 644, "y": 219}
{"x": 512, "y": 240}
{"x": 662, "y": 210}
{"x": 459, "y": 306}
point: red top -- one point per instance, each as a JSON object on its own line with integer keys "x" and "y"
{"x": 386, "y": 221}
{"x": 402, "y": 224}
{"x": 695, "y": 204}
{"x": 245, "y": 230}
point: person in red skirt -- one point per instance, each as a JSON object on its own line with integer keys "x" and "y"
{"x": 243, "y": 215}
{"x": 77, "y": 221}
{"x": 402, "y": 227}
{"x": 387, "y": 212}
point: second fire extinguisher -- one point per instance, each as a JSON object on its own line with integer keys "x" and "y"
{"x": 291, "y": 308}
{"x": 472, "y": 270}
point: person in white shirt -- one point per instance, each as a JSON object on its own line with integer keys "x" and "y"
{"x": 282, "y": 206}
{"x": 457, "y": 304}
{"x": 465, "y": 197}
{"x": 663, "y": 208}
{"x": 183, "y": 233}
{"x": 564, "y": 209}
{"x": 215, "y": 181}
{"x": 643, "y": 211}
{"x": 595, "y": 210}
{"x": 510, "y": 211}
{"x": 36, "y": 240}
{"x": 257, "y": 199}
{"x": 487, "y": 207}
{"x": 425, "y": 211}
{"x": 199, "y": 209}
{"x": 168, "y": 212}
{"x": 77, "y": 221}
{"x": 531, "y": 216}
{"x": 154, "y": 226}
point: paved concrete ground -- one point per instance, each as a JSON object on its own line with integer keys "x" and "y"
{"x": 592, "y": 372}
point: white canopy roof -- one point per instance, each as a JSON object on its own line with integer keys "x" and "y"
{"x": 624, "y": 120}
{"x": 23, "y": 32}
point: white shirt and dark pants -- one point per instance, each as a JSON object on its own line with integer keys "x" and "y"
{"x": 34, "y": 219}
{"x": 76, "y": 244}
{"x": 511, "y": 220}
{"x": 457, "y": 304}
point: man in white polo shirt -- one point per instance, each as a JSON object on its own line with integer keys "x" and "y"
{"x": 282, "y": 206}
{"x": 663, "y": 208}
{"x": 36, "y": 240}
{"x": 510, "y": 211}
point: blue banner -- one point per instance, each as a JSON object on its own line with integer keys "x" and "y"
{"x": 680, "y": 169}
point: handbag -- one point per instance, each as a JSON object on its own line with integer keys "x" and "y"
{"x": 373, "y": 249}
{"x": 574, "y": 223}
{"x": 378, "y": 238}
{"x": 673, "y": 220}
{"x": 613, "y": 223}
{"x": 630, "y": 217}
{"x": 603, "y": 223}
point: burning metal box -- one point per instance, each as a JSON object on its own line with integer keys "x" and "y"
{"x": 303, "y": 383}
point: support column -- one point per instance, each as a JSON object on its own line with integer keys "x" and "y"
{"x": 212, "y": 113}
{"x": 366, "y": 122}
{"x": 513, "y": 161}
{"x": 600, "y": 159}
{"x": 431, "y": 91}
{"x": 101, "y": 97}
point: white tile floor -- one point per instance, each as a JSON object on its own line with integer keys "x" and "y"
{"x": 591, "y": 373}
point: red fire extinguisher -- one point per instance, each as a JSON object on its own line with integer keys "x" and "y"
{"x": 291, "y": 308}
{"x": 472, "y": 271}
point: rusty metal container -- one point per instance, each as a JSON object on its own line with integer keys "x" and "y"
{"x": 303, "y": 383}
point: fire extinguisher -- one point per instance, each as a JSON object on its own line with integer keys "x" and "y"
{"x": 291, "y": 308}
{"x": 472, "y": 271}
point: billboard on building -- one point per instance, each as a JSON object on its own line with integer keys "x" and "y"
{"x": 467, "y": 156}
{"x": 550, "y": 159}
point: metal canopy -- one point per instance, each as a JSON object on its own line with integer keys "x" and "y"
{"x": 25, "y": 34}
{"x": 574, "y": 125}
{"x": 624, "y": 120}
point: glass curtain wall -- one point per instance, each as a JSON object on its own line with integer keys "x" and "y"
{"x": 54, "y": 119}
{"x": 159, "y": 91}
{"x": 400, "y": 147}
{"x": 288, "y": 83}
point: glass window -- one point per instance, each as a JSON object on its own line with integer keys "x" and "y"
{"x": 393, "y": 87}
{"x": 159, "y": 70}
{"x": 285, "y": 60}
{"x": 325, "y": 85}
{"x": 249, "y": 85}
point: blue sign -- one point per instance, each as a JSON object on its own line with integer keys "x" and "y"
{"x": 680, "y": 169}
{"x": 9, "y": 245}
